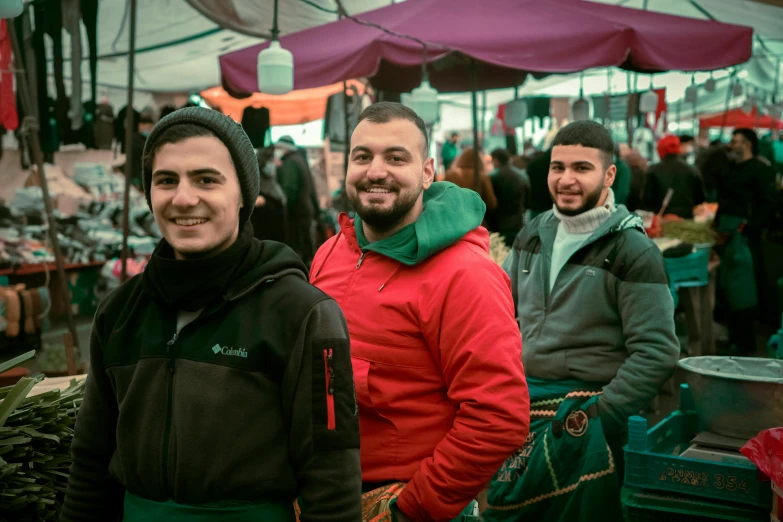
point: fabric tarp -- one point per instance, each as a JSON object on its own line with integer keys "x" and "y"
{"x": 294, "y": 108}
{"x": 736, "y": 118}
{"x": 556, "y": 36}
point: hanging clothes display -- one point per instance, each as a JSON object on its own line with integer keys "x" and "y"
{"x": 119, "y": 126}
{"x": 50, "y": 139}
{"x": 334, "y": 118}
{"x": 72, "y": 15}
{"x": 538, "y": 107}
{"x": 9, "y": 118}
{"x": 255, "y": 121}
{"x": 103, "y": 126}
{"x": 89, "y": 9}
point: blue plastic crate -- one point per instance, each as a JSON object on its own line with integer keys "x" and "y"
{"x": 653, "y": 462}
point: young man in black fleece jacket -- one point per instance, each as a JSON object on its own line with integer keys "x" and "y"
{"x": 220, "y": 385}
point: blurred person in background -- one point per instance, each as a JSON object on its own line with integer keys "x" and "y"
{"x": 673, "y": 173}
{"x": 638, "y": 165}
{"x": 450, "y": 150}
{"x": 463, "y": 173}
{"x": 714, "y": 165}
{"x": 294, "y": 177}
{"x": 512, "y": 189}
{"x": 538, "y": 173}
{"x": 688, "y": 149}
{"x": 269, "y": 216}
{"x": 746, "y": 207}
{"x": 622, "y": 179}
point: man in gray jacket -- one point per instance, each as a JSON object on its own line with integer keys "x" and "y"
{"x": 597, "y": 323}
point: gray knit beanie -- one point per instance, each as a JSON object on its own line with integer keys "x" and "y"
{"x": 233, "y": 137}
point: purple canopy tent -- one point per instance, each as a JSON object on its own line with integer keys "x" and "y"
{"x": 507, "y": 39}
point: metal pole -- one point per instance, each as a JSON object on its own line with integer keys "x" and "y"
{"x": 129, "y": 134}
{"x": 474, "y": 111}
{"x": 346, "y": 150}
{"x": 30, "y": 125}
{"x": 729, "y": 89}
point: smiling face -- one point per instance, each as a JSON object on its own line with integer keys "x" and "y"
{"x": 196, "y": 196}
{"x": 387, "y": 174}
{"x": 579, "y": 178}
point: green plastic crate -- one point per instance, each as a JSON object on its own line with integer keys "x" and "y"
{"x": 652, "y": 462}
{"x": 691, "y": 270}
{"x": 648, "y": 506}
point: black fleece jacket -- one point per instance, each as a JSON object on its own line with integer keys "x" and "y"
{"x": 252, "y": 401}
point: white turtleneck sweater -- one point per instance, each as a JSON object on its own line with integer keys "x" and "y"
{"x": 573, "y": 231}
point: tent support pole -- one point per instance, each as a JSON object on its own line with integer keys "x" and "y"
{"x": 346, "y": 150}
{"x": 728, "y": 101}
{"x": 129, "y": 134}
{"x": 30, "y": 128}
{"x": 474, "y": 113}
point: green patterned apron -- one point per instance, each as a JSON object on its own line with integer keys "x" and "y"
{"x": 565, "y": 472}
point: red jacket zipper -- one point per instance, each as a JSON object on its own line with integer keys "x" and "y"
{"x": 331, "y": 422}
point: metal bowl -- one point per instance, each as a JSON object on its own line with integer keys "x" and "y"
{"x": 736, "y": 396}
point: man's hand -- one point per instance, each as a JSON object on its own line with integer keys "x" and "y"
{"x": 260, "y": 201}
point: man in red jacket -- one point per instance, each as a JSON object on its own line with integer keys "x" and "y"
{"x": 435, "y": 346}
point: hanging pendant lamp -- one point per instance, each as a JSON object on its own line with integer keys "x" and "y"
{"x": 580, "y": 110}
{"x": 275, "y": 65}
{"x": 709, "y": 85}
{"x": 11, "y": 8}
{"x": 648, "y": 101}
{"x": 423, "y": 100}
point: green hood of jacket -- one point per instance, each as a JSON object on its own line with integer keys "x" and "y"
{"x": 449, "y": 213}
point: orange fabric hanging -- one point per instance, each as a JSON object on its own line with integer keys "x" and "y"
{"x": 294, "y": 108}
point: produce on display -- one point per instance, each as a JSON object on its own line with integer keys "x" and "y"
{"x": 498, "y": 250}
{"x": 690, "y": 232}
{"x": 35, "y": 449}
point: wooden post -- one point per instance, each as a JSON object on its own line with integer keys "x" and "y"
{"x": 30, "y": 128}
{"x": 70, "y": 358}
{"x": 129, "y": 134}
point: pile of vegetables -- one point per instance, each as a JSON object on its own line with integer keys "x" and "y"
{"x": 35, "y": 449}
{"x": 498, "y": 250}
{"x": 690, "y": 232}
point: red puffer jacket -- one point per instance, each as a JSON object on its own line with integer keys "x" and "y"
{"x": 436, "y": 355}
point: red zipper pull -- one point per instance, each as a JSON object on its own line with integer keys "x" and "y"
{"x": 331, "y": 422}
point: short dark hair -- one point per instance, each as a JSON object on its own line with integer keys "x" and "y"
{"x": 175, "y": 134}
{"x": 384, "y": 112}
{"x": 686, "y": 138}
{"x": 502, "y": 156}
{"x": 587, "y": 134}
{"x": 454, "y": 134}
{"x": 751, "y": 136}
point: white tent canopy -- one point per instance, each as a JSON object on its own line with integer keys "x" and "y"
{"x": 177, "y": 46}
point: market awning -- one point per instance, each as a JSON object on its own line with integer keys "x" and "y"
{"x": 507, "y": 37}
{"x": 737, "y": 118}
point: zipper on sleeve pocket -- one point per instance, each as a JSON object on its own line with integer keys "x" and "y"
{"x": 331, "y": 422}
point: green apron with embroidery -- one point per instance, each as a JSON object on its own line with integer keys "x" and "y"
{"x": 565, "y": 472}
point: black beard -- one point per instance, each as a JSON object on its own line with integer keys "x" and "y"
{"x": 383, "y": 220}
{"x": 590, "y": 203}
